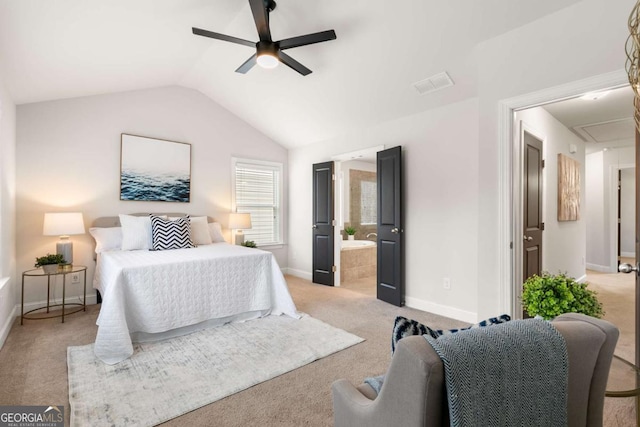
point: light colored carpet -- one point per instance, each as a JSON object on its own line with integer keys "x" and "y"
{"x": 165, "y": 379}
{"x": 616, "y": 292}
{"x": 33, "y": 361}
{"x": 365, "y": 285}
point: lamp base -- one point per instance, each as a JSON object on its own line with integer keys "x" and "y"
{"x": 65, "y": 248}
{"x": 239, "y": 238}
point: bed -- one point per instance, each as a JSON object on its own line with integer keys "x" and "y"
{"x": 151, "y": 295}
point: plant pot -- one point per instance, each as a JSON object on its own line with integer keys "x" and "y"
{"x": 351, "y": 237}
{"x": 50, "y": 268}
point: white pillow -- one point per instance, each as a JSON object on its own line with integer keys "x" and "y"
{"x": 107, "y": 239}
{"x": 136, "y": 232}
{"x": 215, "y": 229}
{"x": 200, "y": 231}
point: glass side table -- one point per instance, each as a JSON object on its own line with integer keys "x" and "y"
{"x": 624, "y": 381}
{"x": 39, "y": 272}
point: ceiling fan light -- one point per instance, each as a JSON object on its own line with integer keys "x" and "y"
{"x": 267, "y": 61}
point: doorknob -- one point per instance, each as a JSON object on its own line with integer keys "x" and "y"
{"x": 528, "y": 238}
{"x": 314, "y": 226}
{"x": 395, "y": 230}
{"x": 627, "y": 268}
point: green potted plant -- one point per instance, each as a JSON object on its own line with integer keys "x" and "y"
{"x": 50, "y": 263}
{"x": 550, "y": 295}
{"x": 350, "y": 232}
{"x": 249, "y": 244}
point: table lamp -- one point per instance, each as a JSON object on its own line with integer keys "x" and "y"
{"x": 239, "y": 222}
{"x": 63, "y": 224}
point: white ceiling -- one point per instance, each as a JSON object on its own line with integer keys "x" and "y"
{"x": 69, "y": 48}
{"x": 602, "y": 123}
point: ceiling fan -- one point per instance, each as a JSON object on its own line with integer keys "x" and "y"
{"x": 269, "y": 53}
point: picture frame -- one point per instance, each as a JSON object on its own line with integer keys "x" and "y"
{"x": 154, "y": 170}
{"x": 568, "y": 188}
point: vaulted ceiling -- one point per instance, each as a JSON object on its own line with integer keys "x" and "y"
{"x": 70, "y": 48}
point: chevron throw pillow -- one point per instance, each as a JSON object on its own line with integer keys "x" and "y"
{"x": 404, "y": 327}
{"x": 171, "y": 234}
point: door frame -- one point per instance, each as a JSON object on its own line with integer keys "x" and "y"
{"x": 508, "y": 192}
{"x": 613, "y": 214}
{"x": 518, "y": 198}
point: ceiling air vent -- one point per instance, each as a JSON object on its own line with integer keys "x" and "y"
{"x": 433, "y": 83}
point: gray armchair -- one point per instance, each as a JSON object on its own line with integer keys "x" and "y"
{"x": 414, "y": 393}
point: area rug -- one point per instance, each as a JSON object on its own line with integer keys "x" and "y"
{"x": 165, "y": 379}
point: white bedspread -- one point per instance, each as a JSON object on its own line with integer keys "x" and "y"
{"x": 158, "y": 291}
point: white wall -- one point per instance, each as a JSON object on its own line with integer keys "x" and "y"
{"x": 7, "y": 212}
{"x": 596, "y": 205}
{"x": 453, "y": 154}
{"x": 628, "y": 213}
{"x": 580, "y": 41}
{"x": 440, "y": 152}
{"x": 68, "y": 159}
{"x": 563, "y": 242}
{"x": 602, "y": 204}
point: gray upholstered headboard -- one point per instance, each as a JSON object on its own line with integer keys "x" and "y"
{"x": 114, "y": 221}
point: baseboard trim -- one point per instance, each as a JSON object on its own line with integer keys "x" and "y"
{"x": 298, "y": 273}
{"x": 582, "y": 278}
{"x": 6, "y": 328}
{"x": 600, "y": 268}
{"x": 442, "y": 310}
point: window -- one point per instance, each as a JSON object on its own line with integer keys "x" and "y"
{"x": 257, "y": 189}
{"x": 368, "y": 203}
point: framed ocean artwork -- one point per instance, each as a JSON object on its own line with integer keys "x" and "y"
{"x": 154, "y": 170}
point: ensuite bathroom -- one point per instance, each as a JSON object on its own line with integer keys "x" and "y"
{"x": 357, "y": 198}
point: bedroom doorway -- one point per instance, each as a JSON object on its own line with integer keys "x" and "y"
{"x": 367, "y": 223}
{"x": 356, "y": 210}
{"x": 511, "y": 230}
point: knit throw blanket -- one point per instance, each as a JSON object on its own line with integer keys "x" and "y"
{"x": 512, "y": 374}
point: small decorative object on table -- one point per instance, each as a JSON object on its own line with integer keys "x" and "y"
{"x": 49, "y": 262}
{"x": 350, "y": 231}
{"x": 249, "y": 244}
{"x": 239, "y": 221}
{"x": 551, "y": 295}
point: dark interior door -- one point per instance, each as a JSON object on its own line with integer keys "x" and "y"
{"x": 532, "y": 209}
{"x": 323, "y": 268}
{"x": 390, "y": 287}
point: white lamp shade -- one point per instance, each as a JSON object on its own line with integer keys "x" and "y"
{"x": 239, "y": 221}
{"x": 63, "y": 224}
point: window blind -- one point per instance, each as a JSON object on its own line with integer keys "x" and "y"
{"x": 257, "y": 192}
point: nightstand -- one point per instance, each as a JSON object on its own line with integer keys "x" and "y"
{"x": 39, "y": 272}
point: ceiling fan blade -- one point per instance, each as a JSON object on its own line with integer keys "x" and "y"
{"x": 224, "y": 37}
{"x": 322, "y": 36}
{"x": 292, "y": 63}
{"x": 248, "y": 64}
{"x": 261, "y": 16}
